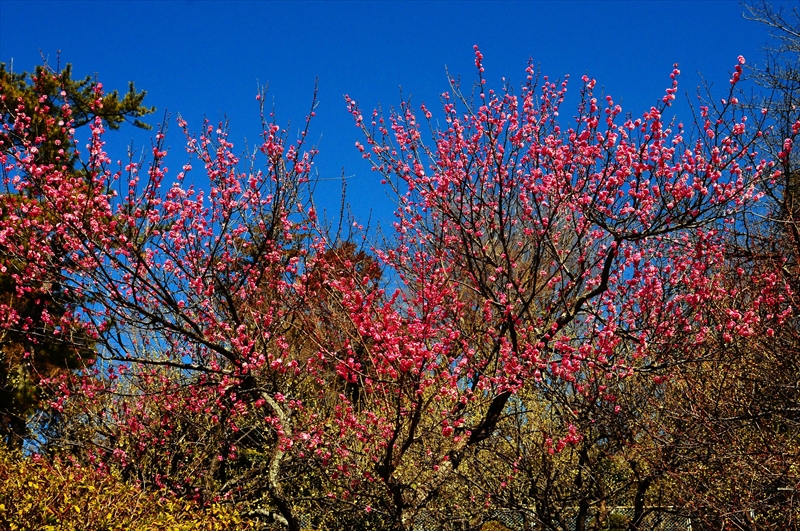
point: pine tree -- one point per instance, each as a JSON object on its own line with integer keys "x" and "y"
{"x": 37, "y": 346}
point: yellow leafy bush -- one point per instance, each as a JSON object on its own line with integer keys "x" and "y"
{"x": 494, "y": 526}
{"x": 44, "y": 496}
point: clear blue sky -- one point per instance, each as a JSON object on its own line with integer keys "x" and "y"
{"x": 203, "y": 58}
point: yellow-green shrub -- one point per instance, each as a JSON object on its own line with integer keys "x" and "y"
{"x": 58, "y": 496}
{"x": 494, "y": 525}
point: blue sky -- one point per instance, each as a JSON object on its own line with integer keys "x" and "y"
{"x": 203, "y": 58}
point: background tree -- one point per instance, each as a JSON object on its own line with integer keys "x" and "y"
{"x": 779, "y": 76}
{"x": 734, "y": 410}
{"x": 41, "y": 110}
{"x": 54, "y": 104}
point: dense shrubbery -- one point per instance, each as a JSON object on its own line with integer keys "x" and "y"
{"x": 39, "y": 495}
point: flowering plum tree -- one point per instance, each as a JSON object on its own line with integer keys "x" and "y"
{"x": 535, "y": 254}
{"x": 199, "y": 281}
{"x": 247, "y": 355}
